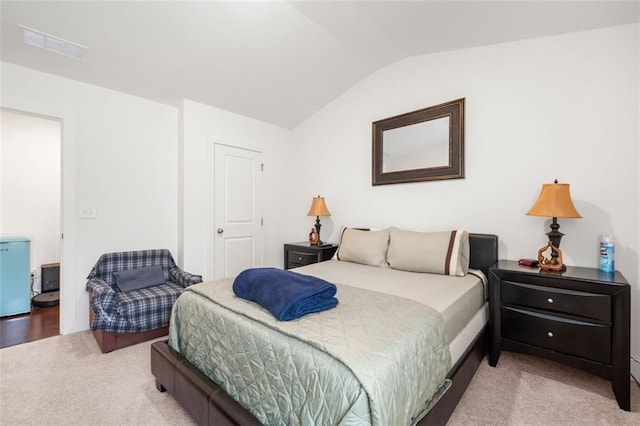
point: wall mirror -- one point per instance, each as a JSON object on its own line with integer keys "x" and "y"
{"x": 422, "y": 145}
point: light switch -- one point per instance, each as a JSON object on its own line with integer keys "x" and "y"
{"x": 88, "y": 212}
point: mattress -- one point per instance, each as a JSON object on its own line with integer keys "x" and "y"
{"x": 458, "y": 299}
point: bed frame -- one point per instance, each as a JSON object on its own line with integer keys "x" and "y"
{"x": 208, "y": 404}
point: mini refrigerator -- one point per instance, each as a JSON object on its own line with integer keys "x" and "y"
{"x": 15, "y": 276}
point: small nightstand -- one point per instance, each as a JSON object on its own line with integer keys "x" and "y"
{"x": 301, "y": 254}
{"x": 578, "y": 317}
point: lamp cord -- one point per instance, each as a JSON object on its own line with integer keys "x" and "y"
{"x": 632, "y": 376}
{"x": 33, "y": 292}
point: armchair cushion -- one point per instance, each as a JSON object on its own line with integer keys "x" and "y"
{"x": 135, "y": 279}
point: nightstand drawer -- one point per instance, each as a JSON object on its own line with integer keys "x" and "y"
{"x": 583, "y": 339}
{"x": 300, "y": 258}
{"x": 302, "y": 254}
{"x": 576, "y": 303}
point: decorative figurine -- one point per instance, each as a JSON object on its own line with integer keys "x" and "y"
{"x": 313, "y": 237}
{"x": 550, "y": 258}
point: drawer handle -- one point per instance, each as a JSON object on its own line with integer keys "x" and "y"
{"x": 300, "y": 258}
{"x": 550, "y": 334}
{"x": 550, "y": 300}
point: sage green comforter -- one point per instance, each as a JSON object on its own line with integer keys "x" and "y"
{"x": 374, "y": 359}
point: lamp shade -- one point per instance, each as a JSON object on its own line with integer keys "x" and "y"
{"x": 554, "y": 201}
{"x": 318, "y": 207}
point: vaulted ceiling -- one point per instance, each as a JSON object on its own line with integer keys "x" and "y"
{"x": 276, "y": 61}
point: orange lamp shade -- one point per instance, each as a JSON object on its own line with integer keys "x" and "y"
{"x": 318, "y": 207}
{"x": 554, "y": 201}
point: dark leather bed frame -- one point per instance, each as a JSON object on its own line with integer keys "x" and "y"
{"x": 208, "y": 404}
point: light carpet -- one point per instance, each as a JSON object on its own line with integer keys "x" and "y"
{"x": 526, "y": 390}
{"x": 66, "y": 380}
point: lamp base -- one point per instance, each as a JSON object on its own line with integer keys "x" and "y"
{"x": 555, "y": 236}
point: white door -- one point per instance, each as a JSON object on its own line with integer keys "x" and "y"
{"x": 237, "y": 210}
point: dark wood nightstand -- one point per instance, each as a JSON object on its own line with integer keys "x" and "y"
{"x": 301, "y": 254}
{"x": 578, "y": 317}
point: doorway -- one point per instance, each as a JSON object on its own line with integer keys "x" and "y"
{"x": 237, "y": 230}
{"x": 30, "y": 158}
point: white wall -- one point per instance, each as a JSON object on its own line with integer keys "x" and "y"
{"x": 562, "y": 107}
{"x": 30, "y": 193}
{"x": 119, "y": 153}
{"x": 203, "y": 126}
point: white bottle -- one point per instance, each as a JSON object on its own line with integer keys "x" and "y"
{"x": 607, "y": 249}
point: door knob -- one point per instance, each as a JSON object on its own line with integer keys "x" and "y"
{"x": 220, "y": 230}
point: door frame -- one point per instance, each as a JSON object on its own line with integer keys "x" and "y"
{"x": 211, "y": 222}
{"x": 70, "y": 319}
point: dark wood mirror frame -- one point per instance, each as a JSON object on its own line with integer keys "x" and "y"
{"x": 454, "y": 170}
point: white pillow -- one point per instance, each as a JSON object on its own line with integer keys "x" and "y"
{"x": 445, "y": 253}
{"x": 365, "y": 247}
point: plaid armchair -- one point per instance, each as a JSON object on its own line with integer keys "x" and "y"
{"x": 137, "y": 310}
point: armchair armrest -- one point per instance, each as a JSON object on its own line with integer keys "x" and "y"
{"x": 102, "y": 300}
{"x": 184, "y": 279}
{"x": 98, "y": 286}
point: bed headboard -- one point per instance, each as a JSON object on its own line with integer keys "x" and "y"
{"x": 483, "y": 251}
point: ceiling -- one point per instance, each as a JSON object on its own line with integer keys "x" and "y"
{"x": 275, "y": 61}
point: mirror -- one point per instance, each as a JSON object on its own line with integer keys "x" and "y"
{"x": 422, "y": 145}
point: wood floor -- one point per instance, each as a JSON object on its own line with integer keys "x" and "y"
{"x": 39, "y": 324}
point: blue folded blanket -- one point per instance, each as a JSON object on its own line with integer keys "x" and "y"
{"x": 287, "y": 295}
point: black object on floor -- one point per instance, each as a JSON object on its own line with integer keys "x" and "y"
{"x": 43, "y": 300}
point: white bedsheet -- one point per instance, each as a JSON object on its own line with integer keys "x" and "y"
{"x": 458, "y": 299}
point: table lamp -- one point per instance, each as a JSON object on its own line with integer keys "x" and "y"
{"x": 554, "y": 201}
{"x": 318, "y": 208}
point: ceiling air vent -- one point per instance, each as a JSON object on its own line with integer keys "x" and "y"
{"x": 54, "y": 44}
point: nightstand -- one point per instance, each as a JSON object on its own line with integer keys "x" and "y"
{"x": 578, "y": 317}
{"x": 301, "y": 254}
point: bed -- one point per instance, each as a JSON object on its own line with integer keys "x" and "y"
{"x": 191, "y": 378}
